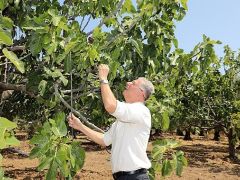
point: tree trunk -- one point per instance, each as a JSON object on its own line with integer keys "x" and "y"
{"x": 231, "y": 144}
{"x": 216, "y": 134}
{"x": 201, "y": 132}
{"x": 187, "y": 135}
{"x": 179, "y": 132}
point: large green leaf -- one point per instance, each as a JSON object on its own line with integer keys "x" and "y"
{"x": 184, "y": 4}
{"x": 45, "y": 163}
{"x": 52, "y": 171}
{"x": 5, "y": 123}
{"x": 60, "y": 122}
{"x": 3, "y": 144}
{"x": 40, "y": 150}
{"x": 138, "y": 46}
{"x": 55, "y": 18}
{"x": 36, "y": 43}
{"x": 68, "y": 64}
{"x": 6, "y": 22}
{"x": 180, "y": 162}
{"x": 166, "y": 168}
{"x": 5, "y": 37}
{"x": 128, "y": 7}
{"x": 1, "y": 157}
{"x": 14, "y": 59}
{"x": 35, "y": 152}
{"x": 12, "y": 141}
{"x": 78, "y": 154}
{"x": 42, "y": 87}
{"x": 56, "y": 131}
{"x": 158, "y": 151}
{"x": 1, "y": 170}
{"x": 62, "y": 158}
{"x": 3, "y": 4}
{"x": 40, "y": 138}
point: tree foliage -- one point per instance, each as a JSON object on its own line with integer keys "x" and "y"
{"x": 43, "y": 42}
{"x": 56, "y": 151}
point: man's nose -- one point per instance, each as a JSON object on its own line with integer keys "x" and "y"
{"x": 129, "y": 84}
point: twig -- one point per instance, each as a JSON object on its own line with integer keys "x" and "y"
{"x": 25, "y": 56}
{"x": 120, "y": 34}
{"x": 84, "y": 119}
{"x": 210, "y": 107}
{"x": 84, "y": 94}
{"x": 5, "y": 71}
{"x": 82, "y": 22}
{"x": 69, "y": 91}
{"x": 195, "y": 55}
{"x": 78, "y": 90}
{"x": 87, "y": 23}
{"x": 17, "y": 48}
{"x": 5, "y": 63}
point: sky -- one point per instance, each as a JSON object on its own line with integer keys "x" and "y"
{"x": 218, "y": 19}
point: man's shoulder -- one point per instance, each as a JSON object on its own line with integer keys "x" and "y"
{"x": 136, "y": 106}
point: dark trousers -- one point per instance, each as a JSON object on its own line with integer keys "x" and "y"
{"x": 136, "y": 176}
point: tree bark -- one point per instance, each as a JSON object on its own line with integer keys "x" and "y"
{"x": 216, "y": 134}
{"x": 201, "y": 132}
{"x": 179, "y": 132}
{"x": 231, "y": 144}
{"x": 187, "y": 135}
{"x": 18, "y": 87}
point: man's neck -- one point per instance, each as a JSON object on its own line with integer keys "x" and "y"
{"x": 135, "y": 101}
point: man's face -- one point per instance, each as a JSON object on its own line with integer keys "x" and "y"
{"x": 133, "y": 90}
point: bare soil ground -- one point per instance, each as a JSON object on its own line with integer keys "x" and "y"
{"x": 207, "y": 160}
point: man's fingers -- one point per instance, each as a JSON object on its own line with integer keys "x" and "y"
{"x": 70, "y": 123}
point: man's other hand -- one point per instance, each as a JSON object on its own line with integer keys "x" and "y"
{"x": 74, "y": 122}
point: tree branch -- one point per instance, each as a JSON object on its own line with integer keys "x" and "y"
{"x": 119, "y": 6}
{"x": 82, "y": 22}
{"x": 84, "y": 119}
{"x": 16, "y": 48}
{"x": 78, "y": 90}
{"x": 210, "y": 107}
{"x": 5, "y": 63}
{"x": 69, "y": 91}
{"x": 87, "y": 23}
{"x": 20, "y": 87}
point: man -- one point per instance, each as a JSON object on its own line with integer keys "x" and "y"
{"x": 130, "y": 132}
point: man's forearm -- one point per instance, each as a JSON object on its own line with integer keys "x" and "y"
{"x": 109, "y": 100}
{"x": 97, "y": 137}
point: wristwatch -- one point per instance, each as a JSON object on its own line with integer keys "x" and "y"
{"x": 104, "y": 81}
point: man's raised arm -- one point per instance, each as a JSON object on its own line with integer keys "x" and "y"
{"x": 109, "y": 100}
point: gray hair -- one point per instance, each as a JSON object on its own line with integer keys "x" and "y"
{"x": 147, "y": 87}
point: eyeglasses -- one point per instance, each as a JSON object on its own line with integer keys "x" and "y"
{"x": 133, "y": 83}
{"x": 142, "y": 91}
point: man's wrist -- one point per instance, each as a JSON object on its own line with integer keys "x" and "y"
{"x": 103, "y": 81}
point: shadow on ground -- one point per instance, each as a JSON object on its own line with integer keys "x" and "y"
{"x": 211, "y": 156}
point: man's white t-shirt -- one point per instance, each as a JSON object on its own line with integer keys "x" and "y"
{"x": 129, "y": 136}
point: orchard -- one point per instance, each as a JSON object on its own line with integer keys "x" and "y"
{"x": 48, "y": 68}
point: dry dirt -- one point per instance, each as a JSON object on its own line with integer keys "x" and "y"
{"x": 207, "y": 160}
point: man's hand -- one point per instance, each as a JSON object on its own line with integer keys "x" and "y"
{"x": 74, "y": 122}
{"x": 103, "y": 71}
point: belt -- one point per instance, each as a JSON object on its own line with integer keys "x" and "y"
{"x": 122, "y": 173}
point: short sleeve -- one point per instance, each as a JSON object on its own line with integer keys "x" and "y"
{"x": 128, "y": 113}
{"x": 107, "y": 137}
